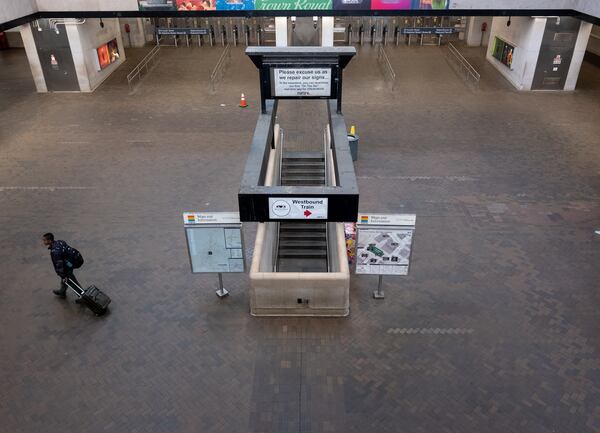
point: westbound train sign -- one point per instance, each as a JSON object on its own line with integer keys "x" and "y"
{"x": 297, "y": 208}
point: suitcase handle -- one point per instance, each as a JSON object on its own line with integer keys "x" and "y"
{"x": 72, "y": 284}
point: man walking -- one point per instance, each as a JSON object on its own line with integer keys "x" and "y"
{"x": 65, "y": 259}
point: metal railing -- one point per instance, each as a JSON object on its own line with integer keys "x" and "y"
{"x": 144, "y": 67}
{"x": 218, "y": 70}
{"x": 384, "y": 62}
{"x": 279, "y": 156}
{"x": 470, "y": 74}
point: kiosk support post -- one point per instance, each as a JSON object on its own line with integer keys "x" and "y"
{"x": 378, "y": 294}
{"x": 222, "y": 292}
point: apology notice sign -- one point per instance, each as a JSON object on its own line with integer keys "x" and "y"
{"x": 302, "y": 81}
{"x": 297, "y": 208}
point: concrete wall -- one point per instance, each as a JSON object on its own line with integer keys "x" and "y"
{"x": 594, "y": 42}
{"x": 590, "y": 7}
{"x": 11, "y": 9}
{"x": 526, "y": 35}
{"x": 14, "y": 38}
{"x": 578, "y": 54}
{"x": 473, "y": 36}
{"x": 136, "y": 36}
{"x": 86, "y": 5}
{"x": 84, "y": 40}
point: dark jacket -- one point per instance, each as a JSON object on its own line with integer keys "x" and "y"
{"x": 58, "y": 253}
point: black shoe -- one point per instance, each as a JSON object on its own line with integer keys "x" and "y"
{"x": 60, "y": 293}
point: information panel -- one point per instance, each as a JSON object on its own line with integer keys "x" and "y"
{"x": 384, "y": 249}
{"x": 214, "y": 242}
{"x": 302, "y": 82}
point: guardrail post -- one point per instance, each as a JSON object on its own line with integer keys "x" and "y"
{"x": 384, "y": 34}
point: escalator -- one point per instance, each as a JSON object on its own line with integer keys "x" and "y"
{"x": 302, "y": 245}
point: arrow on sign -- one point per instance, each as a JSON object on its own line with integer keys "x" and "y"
{"x": 307, "y": 213}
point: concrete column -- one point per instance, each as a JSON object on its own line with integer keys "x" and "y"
{"x": 580, "y": 46}
{"x": 84, "y": 40}
{"x": 327, "y": 31}
{"x": 281, "y": 32}
{"x": 33, "y": 58}
{"x": 474, "y": 36}
{"x": 136, "y": 36}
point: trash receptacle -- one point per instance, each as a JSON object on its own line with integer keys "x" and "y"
{"x": 353, "y": 143}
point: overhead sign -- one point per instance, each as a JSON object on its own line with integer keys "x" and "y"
{"x": 384, "y": 243}
{"x": 164, "y": 31}
{"x": 214, "y": 242}
{"x": 428, "y": 30}
{"x": 297, "y": 208}
{"x": 302, "y": 82}
{"x": 192, "y": 218}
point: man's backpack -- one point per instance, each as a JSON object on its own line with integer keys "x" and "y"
{"x": 74, "y": 257}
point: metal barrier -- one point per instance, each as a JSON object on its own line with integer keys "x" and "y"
{"x": 147, "y": 63}
{"x": 217, "y": 72}
{"x": 384, "y": 62}
{"x": 471, "y": 75}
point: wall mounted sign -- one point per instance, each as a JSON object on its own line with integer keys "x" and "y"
{"x": 302, "y": 82}
{"x": 503, "y": 51}
{"x": 297, "y": 208}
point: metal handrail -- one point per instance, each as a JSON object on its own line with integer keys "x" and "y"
{"x": 137, "y": 71}
{"x": 469, "y": 69}
{"x": 384, "y": 61}
{"x": 326, "y": 146}
{"x": 217, "y": 72}
{"x": 279, "y": 149}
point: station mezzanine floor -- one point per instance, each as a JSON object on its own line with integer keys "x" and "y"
{"x": 494, "y": 330}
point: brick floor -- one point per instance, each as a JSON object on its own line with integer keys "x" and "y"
{"x": 506, "y": 186}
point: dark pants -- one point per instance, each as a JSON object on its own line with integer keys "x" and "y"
{"x": 63, "y": 285}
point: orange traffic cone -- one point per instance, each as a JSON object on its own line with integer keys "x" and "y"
{"x": 243, "y": 102}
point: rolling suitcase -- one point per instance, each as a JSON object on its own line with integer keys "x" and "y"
{"x": 92, "y": 297}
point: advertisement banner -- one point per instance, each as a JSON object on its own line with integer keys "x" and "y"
{"x": 409, "y": 4}
{"x": 503, "y": 51}
{"x": 351, "y": 4}
{"x": 177, "y": 5}
{"x": 289, "y": 5}
{"x": 235, "y": 5}
{"x": 292, "y": 5}
{"x": 107, "y": 54}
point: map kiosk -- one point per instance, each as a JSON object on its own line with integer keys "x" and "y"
{"x": 215, "y": 244}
